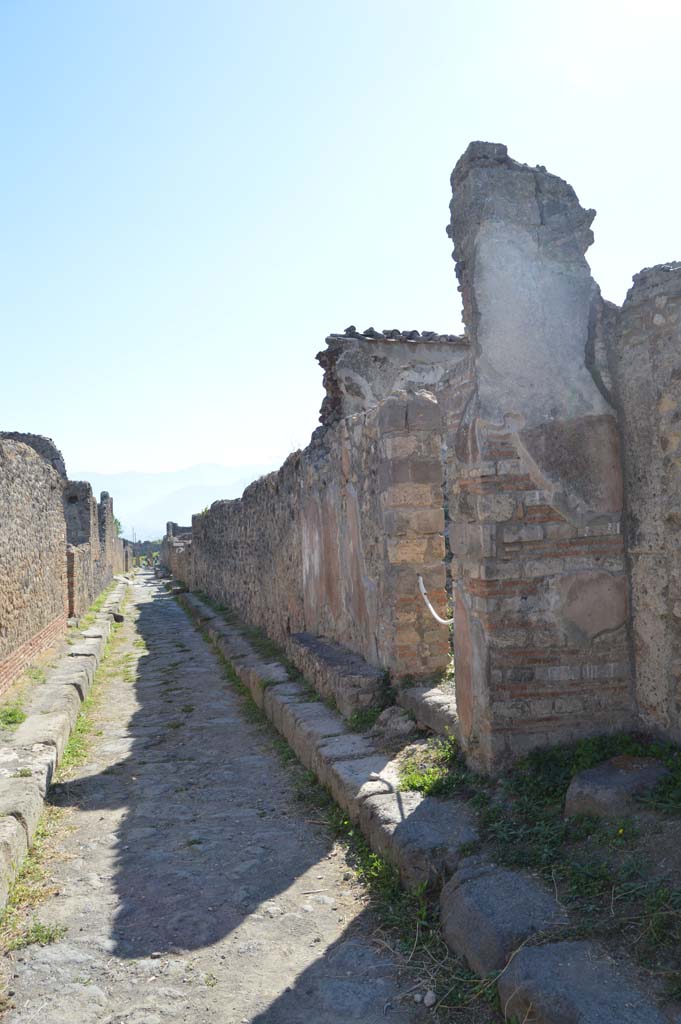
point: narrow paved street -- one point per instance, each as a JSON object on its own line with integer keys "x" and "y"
{"x": 189, "y": 880}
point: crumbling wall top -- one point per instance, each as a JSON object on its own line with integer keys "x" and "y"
{"x": 363, "y": 368}
{"x": 44, "y": 446}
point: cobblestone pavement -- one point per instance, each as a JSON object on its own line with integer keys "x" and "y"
{"x": 190, "y": 882}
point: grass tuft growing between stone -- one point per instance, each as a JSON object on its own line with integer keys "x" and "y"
{"x": 113, "y": 664}
{"x": 12, "y": 714}
{"x": 605, "y": 872}
{"x": 19, "y": 926}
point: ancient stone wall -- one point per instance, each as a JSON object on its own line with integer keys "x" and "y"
{"x": 32, "y": 557}
{"x": 560, "y": 632}
{"x": 176, "y": 553}
{"x": 83, "y": 554}
{"x": 647, "y": 374}
{"x": 535, "y": 481}
{"x": 44, "y": 446}
{"x": 332, "y": 543}
{"x": 58, "y": 549}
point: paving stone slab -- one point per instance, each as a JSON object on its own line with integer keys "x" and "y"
{"x": 486, "y": 912}
{"x": 433, "y": 707}
{"x": 571, "y": 983}
{"x": 422, "y": 836}
{"x": 611, "y": 788}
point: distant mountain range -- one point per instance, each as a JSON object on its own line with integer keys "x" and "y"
{"x": 145, "y": 502}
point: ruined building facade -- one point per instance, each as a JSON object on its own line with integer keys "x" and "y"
{"x": 529, "y": 470}
{"x": 58, "y": 549}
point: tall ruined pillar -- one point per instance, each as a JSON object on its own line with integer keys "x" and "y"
{"x": 535, "y": 482}
{"x": 647, "y": 375}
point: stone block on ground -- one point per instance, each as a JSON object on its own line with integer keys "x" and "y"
{"x": 351, "y": 782}
{"x": 21, "y": 799}
{"x": 487, "y": 912}
{"x": 611, "y": 788}
{"x": 278, "y": 699}
{"x": 13, "y": 849}
{"x": 571, "y": 983}
{"x": 337, "y": 673}
{"x": 88, "y": 649}
{"x": 56, "y": 697}
{"x": 432, "y": 707}
{"x": 422, "y": 836}
{"x": 52, "y": 729}
{"x": 306, "y": 725}
{"x": 86, "y": 662}
{"x": 74, "y": 674}
{"x": 345, "y": 747}
{"x": 393, "y": 725}
{"x": 40, "y": 760}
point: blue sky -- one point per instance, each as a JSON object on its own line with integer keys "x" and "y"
{"x": 194, "y": 195}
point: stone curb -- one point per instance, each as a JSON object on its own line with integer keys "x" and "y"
{"x": 431, "y": 707}
{"x": 421, "y": 836}
{"x": 488, "y": 913}
{"x": 29, "y": 757}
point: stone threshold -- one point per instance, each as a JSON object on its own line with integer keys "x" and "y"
{"x": 432, "y": 707}
{"x": 489, "y": 914}
{"x": 29, "y": 758}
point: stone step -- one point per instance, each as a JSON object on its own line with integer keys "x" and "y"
{"x": 338, "y": 674}
{"x": 488, "y": 911}
{"x": 572, "y": 983}
{"x": 432, "y": 707}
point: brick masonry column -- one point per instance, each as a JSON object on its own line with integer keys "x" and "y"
{"x": 535, "y": 488}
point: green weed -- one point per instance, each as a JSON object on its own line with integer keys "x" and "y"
{"x": 12, "y": 714}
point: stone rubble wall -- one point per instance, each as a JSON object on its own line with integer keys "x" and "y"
{"x": 58, "y": 549}
{"x": 646, "y": 361}
{"x": 551, "y": 427}
{"x": 32, "y": 557}
{"x": 331, "y": 544}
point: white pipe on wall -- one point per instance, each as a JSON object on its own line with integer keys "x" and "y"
{"x": 424, "y": 595}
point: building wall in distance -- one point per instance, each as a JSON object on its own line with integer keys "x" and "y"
{"x": 58, "y": 549}
{"x": 33, "y": 608}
